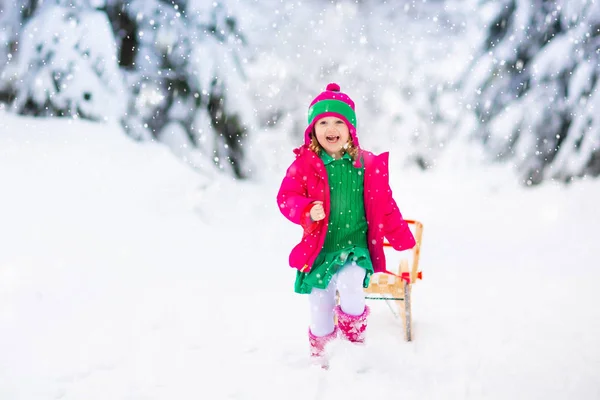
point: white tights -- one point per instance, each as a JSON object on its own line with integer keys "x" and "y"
{"x": 348, "y": 281}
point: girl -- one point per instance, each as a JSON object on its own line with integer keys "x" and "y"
{"x": 341, "y": 197}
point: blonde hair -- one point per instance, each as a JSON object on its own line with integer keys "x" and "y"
{"x": 314, "y": 145}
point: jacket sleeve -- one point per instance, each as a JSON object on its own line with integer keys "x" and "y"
{"x": 293, "y": 200}
{"x": 395, "y": 228}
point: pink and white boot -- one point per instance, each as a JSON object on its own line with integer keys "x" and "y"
{"x": 317, "y": 347}
{"x": 353, "y": 327}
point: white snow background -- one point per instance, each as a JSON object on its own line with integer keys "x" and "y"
{"x": 124, "y": 274}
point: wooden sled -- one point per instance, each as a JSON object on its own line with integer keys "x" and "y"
{"x": 396, "y": 286}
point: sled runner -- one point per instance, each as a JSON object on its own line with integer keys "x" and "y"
{"x": 396, "y": 285}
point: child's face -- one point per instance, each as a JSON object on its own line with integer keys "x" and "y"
{"x": 332, "y": 134}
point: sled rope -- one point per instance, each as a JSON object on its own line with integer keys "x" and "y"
{"x": 384, "y": 298}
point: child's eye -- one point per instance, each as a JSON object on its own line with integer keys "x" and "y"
{"x": 339, "y": 121}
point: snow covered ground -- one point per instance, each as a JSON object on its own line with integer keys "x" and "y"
{"x": 126, "y": 275}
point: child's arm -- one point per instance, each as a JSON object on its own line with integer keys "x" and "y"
{"x": 293, "y": 199}
{"x": 395, "y": 228}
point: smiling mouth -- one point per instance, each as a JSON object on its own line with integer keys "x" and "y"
{"x": 332, "y": 138}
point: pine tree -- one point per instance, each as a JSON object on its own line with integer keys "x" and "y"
{"x": 534, "y": 87}
{"x": 169, "y": 70}
{"x": 63, "y": 63}
{"x": 187, "y": 82}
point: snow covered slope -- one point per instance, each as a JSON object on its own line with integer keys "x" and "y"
{"x": 126, "y": 275}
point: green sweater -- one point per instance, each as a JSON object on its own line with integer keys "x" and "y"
{"x": 346, "y": 237}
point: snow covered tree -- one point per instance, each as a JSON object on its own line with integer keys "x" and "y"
{"x": 534, "y": 87}
{"x": 13, "y": 14}
{"x": 182, "y": 63}
{"x": 172, "y": 71}
{"x": 64, "y": 63}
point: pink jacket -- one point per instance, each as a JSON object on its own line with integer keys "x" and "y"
{"x": 306, "y": 181}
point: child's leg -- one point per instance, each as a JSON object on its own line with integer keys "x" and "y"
{"x": 350, "y": 286}
{"x": 352, "y": 312}
{"x": 322, "y": 304}
{"x": 322, "y": 328}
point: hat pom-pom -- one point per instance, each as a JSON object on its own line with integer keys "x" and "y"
{"x": 334, "y": 87}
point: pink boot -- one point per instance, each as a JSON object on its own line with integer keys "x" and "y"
{"x": 317, "y": 346}
{"x": 352, "y": 326}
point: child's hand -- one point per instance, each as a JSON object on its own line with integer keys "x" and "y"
{"x": 317, "y": 212}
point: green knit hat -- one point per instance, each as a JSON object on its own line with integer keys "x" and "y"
{"x": 334, "y": 103}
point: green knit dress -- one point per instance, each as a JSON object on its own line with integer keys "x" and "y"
{"x": 346, "y": 238}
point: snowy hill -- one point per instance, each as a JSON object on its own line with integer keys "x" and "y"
{"x": 126, "y": 275}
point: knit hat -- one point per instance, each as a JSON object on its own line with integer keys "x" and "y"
{"x": 332, "y": 103}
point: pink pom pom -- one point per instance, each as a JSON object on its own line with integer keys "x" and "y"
{"x": 334, "y": 87}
